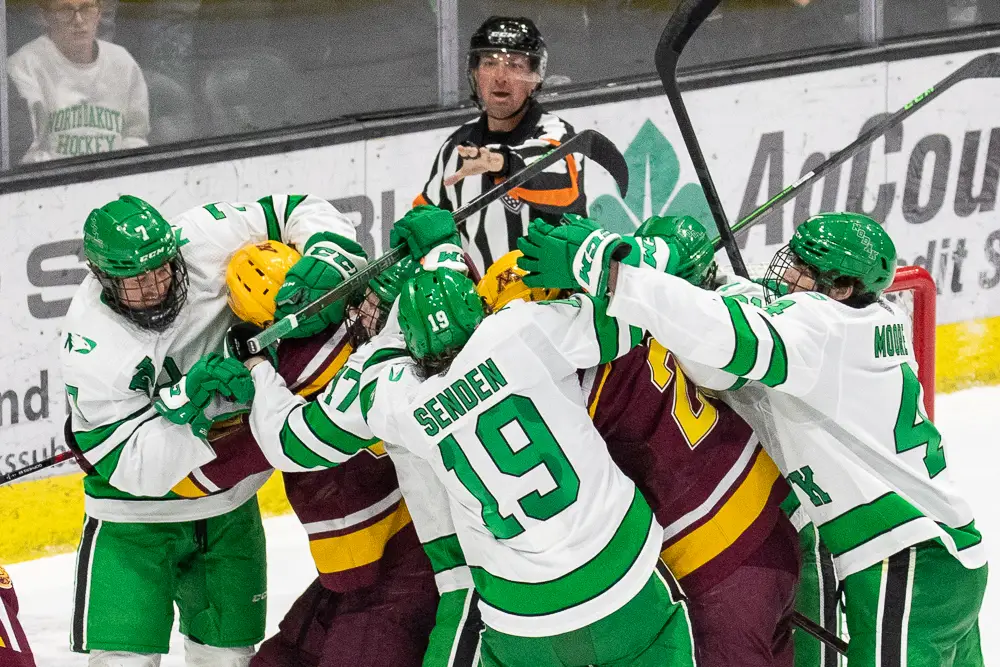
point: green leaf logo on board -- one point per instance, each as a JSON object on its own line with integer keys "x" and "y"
{"x": 654, "y": 171}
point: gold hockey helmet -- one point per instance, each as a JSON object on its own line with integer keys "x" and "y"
{"x": 502, "y": 284}
{"x": 254, "y": 276}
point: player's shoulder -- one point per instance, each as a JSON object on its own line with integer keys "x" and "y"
{"x": 97, "y": 342}
{"x": 743, "y": 289}
{"x": 518, "y": 315}
{"x": 217, "y": 224}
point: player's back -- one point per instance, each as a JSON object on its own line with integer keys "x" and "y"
{"x": 853, "y": 437}
{"x": 712, "y": 487}
{"x": 549, "y": 525}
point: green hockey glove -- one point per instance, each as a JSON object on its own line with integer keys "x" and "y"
{"x": 445, "y": 256}
{"x": 422, "y": 229}
{"x": 329, "y": 260}
{"x": 575, "y": 254}
{"x": 185, "y": 401}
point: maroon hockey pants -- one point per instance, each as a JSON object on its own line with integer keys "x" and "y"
{"x": 745, "y": 619}
{"x": 387, "y": 623}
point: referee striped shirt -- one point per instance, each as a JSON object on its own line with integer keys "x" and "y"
{"x": 494, "y": 231}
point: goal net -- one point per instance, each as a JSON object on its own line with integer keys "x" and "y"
{"x": 914, "y": 291}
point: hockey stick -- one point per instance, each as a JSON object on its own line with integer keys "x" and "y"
{"x": 589, "y": 143}
{"x": 683, "y": 23}
{"x": 61, "y": 457}
{"x": 986, "y": 66}
{"x": 819, "y": 632}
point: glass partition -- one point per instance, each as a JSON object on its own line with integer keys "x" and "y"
{"x": 741, "y": 30}
{"x": 175, "y": 70}
{"x": 907, "y": 18}
{"x": 168, "y": 71}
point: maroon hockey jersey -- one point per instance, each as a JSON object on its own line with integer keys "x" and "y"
{"x": 14, "y": 649}
{"x": 354, "y": 513}
{"x": 699, "y": 465}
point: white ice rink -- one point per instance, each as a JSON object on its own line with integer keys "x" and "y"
{"x": 45, "y": 586}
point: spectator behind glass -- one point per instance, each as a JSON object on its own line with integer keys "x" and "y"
{"x": 85, "y": 96}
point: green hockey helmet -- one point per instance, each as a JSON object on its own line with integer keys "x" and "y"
{"x": 839, "y": 249}
{"x": 133, "y": 251}
{"x": 438, "y": 311}
{"x": 387, "y": 284}
{"x": 687, "y": 238}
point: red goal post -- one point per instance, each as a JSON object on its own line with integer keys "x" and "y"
{"x": 914, "y": 290}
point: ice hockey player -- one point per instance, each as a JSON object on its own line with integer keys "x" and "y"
{"x": 285, "y": 425}
{"x": 374, "y": 601}
{"x": 506, "y": 67}
{"x": 154, "y": 304}
{"x": 704, "y": 473}
{"x": 14, "y": 649}
{"x": 541, "y": 623}
{"x": 825, "y": 375}
{"x": 562, "y": 546}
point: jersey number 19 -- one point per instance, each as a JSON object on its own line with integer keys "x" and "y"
{"x": 541, "y": 450}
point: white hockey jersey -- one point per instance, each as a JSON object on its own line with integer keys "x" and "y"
{"x": 300, "y": 436}
{"x": 556, "y": 536}
{"x": 832, "y": 392}
{"x": 113, "y": 369}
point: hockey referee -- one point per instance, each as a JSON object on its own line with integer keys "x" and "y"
{"x": 506, "y": 67}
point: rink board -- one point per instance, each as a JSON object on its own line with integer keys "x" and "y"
{"x": 934, "y": 183}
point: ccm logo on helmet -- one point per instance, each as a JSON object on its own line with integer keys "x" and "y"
{"x": 151, "y": 255}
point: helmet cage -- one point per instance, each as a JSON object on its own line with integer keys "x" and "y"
{"x": 366, "y": 317}
{"x": 119, "y": 292}
{"x": 808, "y": 279}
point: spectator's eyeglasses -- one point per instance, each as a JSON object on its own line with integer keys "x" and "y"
{"x": 67, "y": 14}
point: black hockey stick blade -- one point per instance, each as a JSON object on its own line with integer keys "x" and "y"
{"x": 819, "y": 632}
{"x": 683, "y": 23}
{"x": 986, "y": 66}
{"x": 589, "y": 143}
{"x": 61, "y": 457}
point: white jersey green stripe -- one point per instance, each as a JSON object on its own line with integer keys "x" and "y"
{"x": 112, "y": 368}
{"x": 831, "y": 390}
{"x": 584, "y": 595}
{"x": 555, "y": 535}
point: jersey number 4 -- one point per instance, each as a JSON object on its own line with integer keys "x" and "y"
{"x": 911, "y": 433}
{"x": 492, "y": 429}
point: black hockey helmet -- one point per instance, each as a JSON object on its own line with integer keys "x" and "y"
{"x": 505, "y": 34}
